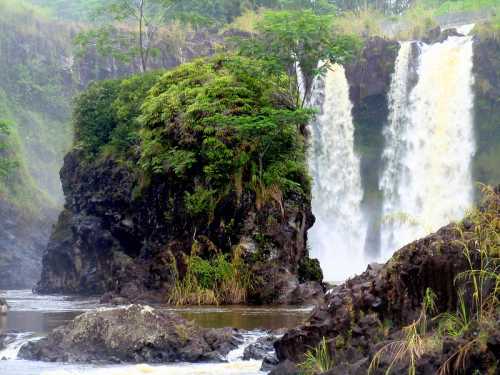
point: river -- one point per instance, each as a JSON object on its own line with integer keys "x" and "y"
{"x": 32, "y": 316}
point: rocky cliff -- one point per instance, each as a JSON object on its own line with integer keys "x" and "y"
{"x": 23, "y": 238}
{"x": 487, "y": 107}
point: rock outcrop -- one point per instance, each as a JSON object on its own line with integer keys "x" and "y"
{"x": 4, "y": 307}
{"x": 369, "y": 310}
{"x": 109, "y": 240}
{"x": 486, "y": 108}
{"x": 133, "y": 334}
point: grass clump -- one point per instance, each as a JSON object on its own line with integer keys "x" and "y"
{"x": 220, "y": 279}
{"x": 479, "y": 286}
{"x": 317, "y": 360}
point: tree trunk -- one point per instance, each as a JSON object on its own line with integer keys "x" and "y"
{"x": 141, "y": 36}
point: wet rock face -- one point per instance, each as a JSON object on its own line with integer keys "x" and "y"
{"x": 133, "y": 334}
{"x": 370, "y": 74}
{"x": 22, "y": 242}
{"x": 117, "y": 239}
{"x": 369, "y": 78}
{"x": 486, "y": 108}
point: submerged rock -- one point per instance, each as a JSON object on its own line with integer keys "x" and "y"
{"x": 137, "y": 333}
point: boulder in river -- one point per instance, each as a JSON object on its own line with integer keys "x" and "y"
{"x": 136, "y": 333}
{"x": 4, "y": 307}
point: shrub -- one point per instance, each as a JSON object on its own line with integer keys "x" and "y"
{"x": 106, "y": 114}
{"x": 218, "y": 119}
{"x": 220, "y": 279}
{"x": 310, "y": 270}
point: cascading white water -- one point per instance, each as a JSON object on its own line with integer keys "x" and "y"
{"x": 338, "y": 236}
{"x": 427, "y": 180}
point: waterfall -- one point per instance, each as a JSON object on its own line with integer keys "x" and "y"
{"x": 338, "y": 236}
{"x": 392, "y": 155}
{"x": 429, "y": 138}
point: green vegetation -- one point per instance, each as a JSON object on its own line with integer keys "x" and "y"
{"x": 6, "y": 164}
{"x": 414, "y": 343}
{"x": 142, "y": 21}
{"x": 441, "y": 7}
{"x": 290, "y": 38}
{"x": 317, "y": 360}
{"x": 35, "y": 101}
{"x": 219, "y": 280}
{"x": 106, "y": 114}
{"x": 221, "y": 122}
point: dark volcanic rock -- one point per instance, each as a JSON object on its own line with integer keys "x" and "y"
{"x": 260, "y": 349}
{"x": 437, "y": 35}
{"x": 354, "y": 318}
{"x": 136, "y": 333}
{"x": 263, "y": 349}
{"x": 115, "y": 237}
{"x": 486, "y": 108}
{"x": 285, "y": 368}
{"x": 370, "y": 74}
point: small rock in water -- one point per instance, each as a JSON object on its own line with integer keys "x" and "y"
{"x": 4, "y": 307}
{"x": 133, "y": 334}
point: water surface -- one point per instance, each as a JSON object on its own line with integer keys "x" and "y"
{"x": 32, "y": 316}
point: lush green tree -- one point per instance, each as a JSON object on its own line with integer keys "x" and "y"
{"x": 289, "y": 39}
{"x": 133, "y": 29}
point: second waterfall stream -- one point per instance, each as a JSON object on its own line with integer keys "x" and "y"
{"x": 427, "y": 180}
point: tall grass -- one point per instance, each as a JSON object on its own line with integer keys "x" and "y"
{"x": 366, "y": 23}
{"x": 479, "y": 286}
{"x": 211, "y": 282}
{"x": 412, "y": 345}
{"x": 246, "y": 22}
{"x": 317, "y": 360}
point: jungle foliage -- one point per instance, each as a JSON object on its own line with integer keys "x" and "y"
{"x": 217, "y": 121}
